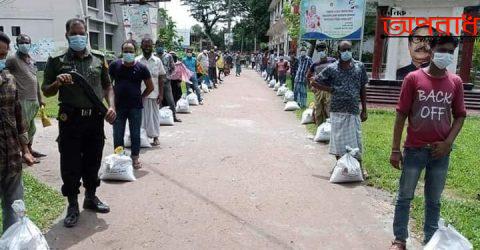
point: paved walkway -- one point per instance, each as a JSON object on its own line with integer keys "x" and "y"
{"x": 238, "y": 173}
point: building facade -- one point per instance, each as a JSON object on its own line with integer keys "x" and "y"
{"x": 44, "y": 21}
{"x": 279, "y": 39}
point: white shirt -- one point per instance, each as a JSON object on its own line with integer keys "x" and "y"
{"x": 155, "y": 66}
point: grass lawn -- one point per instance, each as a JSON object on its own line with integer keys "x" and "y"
{"x": 460, "y": 204}
{"x": 44, "y": 204}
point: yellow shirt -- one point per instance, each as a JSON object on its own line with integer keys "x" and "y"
{"x": 220, "y": 62}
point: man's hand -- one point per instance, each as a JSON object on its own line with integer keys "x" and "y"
{"x": 396, "y": 159}
{"x": 29, "y": 159}
{"x": 441, "y": 149}
{"x": 364, "y": 115}
{"x": 111, "y": 115}
{"x": 65, "y": 79}
{"x": 159, "y": 99}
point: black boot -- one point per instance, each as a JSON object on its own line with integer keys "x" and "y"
{"x": 73, "y": 213}
{"x": 94, "y": 204}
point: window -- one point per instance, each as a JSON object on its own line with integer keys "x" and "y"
{"x": 1, "y": 28}
{"x": 108, "y": 5}
{"x": 92, "y": 3}
{"x": 15, "y": 30}
{"x": 93, "y": 40}
{"x": 109, "y": 42}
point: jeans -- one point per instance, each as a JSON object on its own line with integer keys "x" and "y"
{"x": 282, "y": 78}
{"x": 134, "y": 117}
{"x": 415, "y": 160}
{"x": 195, "y": 88}
{"x": 207, "y": 80}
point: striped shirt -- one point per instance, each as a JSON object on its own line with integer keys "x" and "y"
{"x": 304, "y": 64}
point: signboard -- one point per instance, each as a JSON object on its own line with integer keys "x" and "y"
{"x": 332, "y": 19}
{"x": 185, "y": 35}
{"x": 137, "y": 22}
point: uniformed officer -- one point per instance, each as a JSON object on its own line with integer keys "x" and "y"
{"x": 81, "y": 135}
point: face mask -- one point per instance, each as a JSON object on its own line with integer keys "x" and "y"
{"x": 2, "y": 63}
{"x": 346, "y": 56}
{"x": 160, "y": 50}
{"x": 189, "y": 54}
{"x": 442, "y": 60}
{"x": 303, "y": 53}
{"x": 77, "y": 42}
{"x": 322, "y": 54}
{"x": 128, "y": 57}
{"x": 24, "y": 48}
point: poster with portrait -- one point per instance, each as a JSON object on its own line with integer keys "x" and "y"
{"x": 332, "y": 19}
{"x": 410, "y": 36}
{"x": 136, "y": 22}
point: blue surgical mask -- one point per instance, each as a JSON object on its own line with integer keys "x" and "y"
{"x": 77, "y": 42}
{"x": 128, "y": 57}
{"x": 24, "y": 48}
{"x": 322, "y": 54}
{"x": 2, "y": 63}
{"x": 346, "y": 56}
{"x": 160, "y": 50}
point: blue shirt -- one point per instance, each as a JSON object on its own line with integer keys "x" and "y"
{"x": 191, "y": 63}
{"x": 304, "y": 63}
{"x": 128, "y": 84}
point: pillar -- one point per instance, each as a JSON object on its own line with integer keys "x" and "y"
{"x": 379, "y": 43}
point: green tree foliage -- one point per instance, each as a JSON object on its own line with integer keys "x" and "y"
{"x": 167, "y": 33}
{"x": 254, "y": 24}
{"x": 476, "y": 61}
{"x": 211, "y": 12}
{"x": 292, "y": 19}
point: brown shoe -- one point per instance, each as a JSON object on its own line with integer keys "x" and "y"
{"x": 398, "y": 245}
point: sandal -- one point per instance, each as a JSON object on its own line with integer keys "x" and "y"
{"x": 155, "y": 143}
{"x": 398, "y": 245}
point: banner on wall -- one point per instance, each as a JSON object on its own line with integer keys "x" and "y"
{"x": 137, "y": 22}
{"x": 332, "y": 19}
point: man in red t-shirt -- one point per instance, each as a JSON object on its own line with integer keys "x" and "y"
{"x": 282, "y": 68}
{"x": 430, "y": 97}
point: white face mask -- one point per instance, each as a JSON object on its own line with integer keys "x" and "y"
{"x": 322, "y": 54}
{"x": 442, "y": 60}
{"x": 346, "y": 56}
{"x": 303, "y": 53}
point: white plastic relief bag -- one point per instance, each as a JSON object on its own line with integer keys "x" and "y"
{"x": 272, "y": 83}
{"x": 117, "y": 167}
{"x": 291, "y": 106}
{"x": 183, "y": 106}
{"x": 166, "y": 116}
{"x": 144, "y": 142}
{"x": 204, "y": 88}
{"x": 264, "y": 74}
{"x": 347, "y": 168}
{"x": 307, "y": 116}
{"x": 23, "y": 234}
{"x": 447, "y": 238}
{"x": 276, "y": 87}
{"x": 282, "y": 90}
{"x": 192, "y": 99}
{"x": 289, "y": 96}
{"x": 323, "y": 132}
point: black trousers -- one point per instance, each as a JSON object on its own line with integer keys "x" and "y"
{"x": 80, "y": 142}
{"x": 212, "y": 74}
{"x": 176, "y": 90}
{"x": 168, "y": 99}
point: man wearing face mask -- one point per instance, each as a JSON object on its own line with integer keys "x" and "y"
{"x": 322, "y": 98}
{"x": 300, "y": 90}
{"x": 151, "y": 104}
{"x": 345, "y": 80}
{"x": 23, "y": 68}
{"x": 81, "y": 135}
{"x": 169, "y": 66}
{"x": 212, "y": 66}
{"x": 282, "y": 67}
{"x": 128, "y": 76}
{"x": 433, "y": 101}
{"x": 191, "y": 64}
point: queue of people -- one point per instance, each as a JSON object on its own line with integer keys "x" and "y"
{"x": 431, "y": 99}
